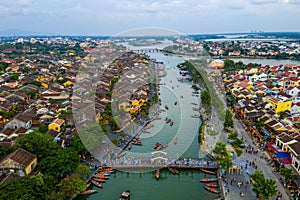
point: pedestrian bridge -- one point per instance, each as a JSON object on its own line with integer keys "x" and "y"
{"x": 159, "y": 160}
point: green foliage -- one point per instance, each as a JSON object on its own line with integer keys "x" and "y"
{"x": 238, "y": 142}
{"x": 220, "y": 149}
{"x": 233, "y": 135}
{"x": 64, "y": 160}
{"x": 5, "y": 114}
{"x": 238, "y": 151}
{"x": 91, "y": 136}
{"x": 223, "y": 156}
{"x": 25, "y": 70}
{"x": 3, "y": 66}
{"x": 228, "y": 120}
{"x": 230, "y": 65}
{"x": 201, "y": 132}
{"x": 264, "y": 188}
{"x": 78, "y": 146}
{"x": 82, "y": 171}
{"x": 215, "y": 99}
{"x": 287, "y": 174}
{"x": 34, "y": 187}
{"x": 43, "y": 128}
{"x": 72, "y": 186}
{"x": 14, "y": 77}
{"x": 39, "y": 144}
{"x": 205, "y": 98}
{"x": 6, "y": 150}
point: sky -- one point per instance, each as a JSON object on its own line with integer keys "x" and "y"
{"x": 111, "y": 17}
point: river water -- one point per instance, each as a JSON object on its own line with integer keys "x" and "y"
{"x": 186, "y": 185}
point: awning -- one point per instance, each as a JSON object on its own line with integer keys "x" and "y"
{"x": 286, "y": 161}
{"x": 272, "y": 146}
{"x": 281, "y": 155}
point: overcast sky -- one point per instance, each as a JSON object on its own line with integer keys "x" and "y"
{"x": 110, "y": 17}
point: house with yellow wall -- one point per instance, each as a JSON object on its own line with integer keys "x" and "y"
{"x": 20, "y": 161}
{"x": 279, "y": 104}
{"x": 56, "y": 125}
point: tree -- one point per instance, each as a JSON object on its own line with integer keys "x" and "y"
{"x": 205, "y": 98}
{"x": 224, "y": 158}
{"x": 72, "y": 186}
{"x": 39, "y": 144}
{"x": 228, "y": 64}
{"x": 63, "y": 161}
{"x": 228, "y": 120}
{"x": 264, "y": 188}
{"x": 220, "y": 149}
{"x": 82, "y": 170}
{"x": 43, "y": 128}
{"x": 5, "y": 150}
{"x": 78, "y": 146}
{"x": 29, "y": 187}
{"x": 287, "y": 174}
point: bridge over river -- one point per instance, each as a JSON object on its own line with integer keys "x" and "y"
{"x": 160, "y": 160}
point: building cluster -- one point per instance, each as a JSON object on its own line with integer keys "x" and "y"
{"x": 37, "y": 90}
{"x": 266, "y": 100}
{"x": 252, "y": 48}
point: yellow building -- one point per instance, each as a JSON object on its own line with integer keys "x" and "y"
{"x": 56, "y": 125}
{"x": 21, "y": 161}
{"x": 279, "y": 105}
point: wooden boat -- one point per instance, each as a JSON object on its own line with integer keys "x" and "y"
{"x": 195, "y": 116}
{"x": 125, "y": 195}
{"x": 87, "y": 185}
{"x": 171, "y": 123}
{"x": 173, "y": 170}
{"x": 137, "y": 142}
{"x": 156, "y": 145}
{"x": 208, "y": 171}
{"x": 211, "y": 189}
{"x": 157, "y": 174}
{"x": 100, "y": 175}
{"x": 88, "y": 192}
{"x": 175, "y": 103}
{"x": 195, "y": 104}
{"x": 207, "y": 180}
{"x": 100, "y": 180}
{"x": 96, "y": 183}
{"x": 166, "y": 107}
{"x": 161, "y": 147}
{"x": 211, "y": 185}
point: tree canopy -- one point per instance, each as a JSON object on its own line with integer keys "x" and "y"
{"x": 224, "y": 158}
{"x": 264, "y": 188}
{"x": 205, "y": 98}
{"x": 63, "y": 161}
{"x": 39, "y": 144}
{"x": 228, "y": 120}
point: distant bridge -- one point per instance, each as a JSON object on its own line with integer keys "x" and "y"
{"x": 147, "y": 50}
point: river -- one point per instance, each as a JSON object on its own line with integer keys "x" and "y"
{"x": 186, "y": 185}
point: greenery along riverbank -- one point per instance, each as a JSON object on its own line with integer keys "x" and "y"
{"x": 198, "y": 73}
